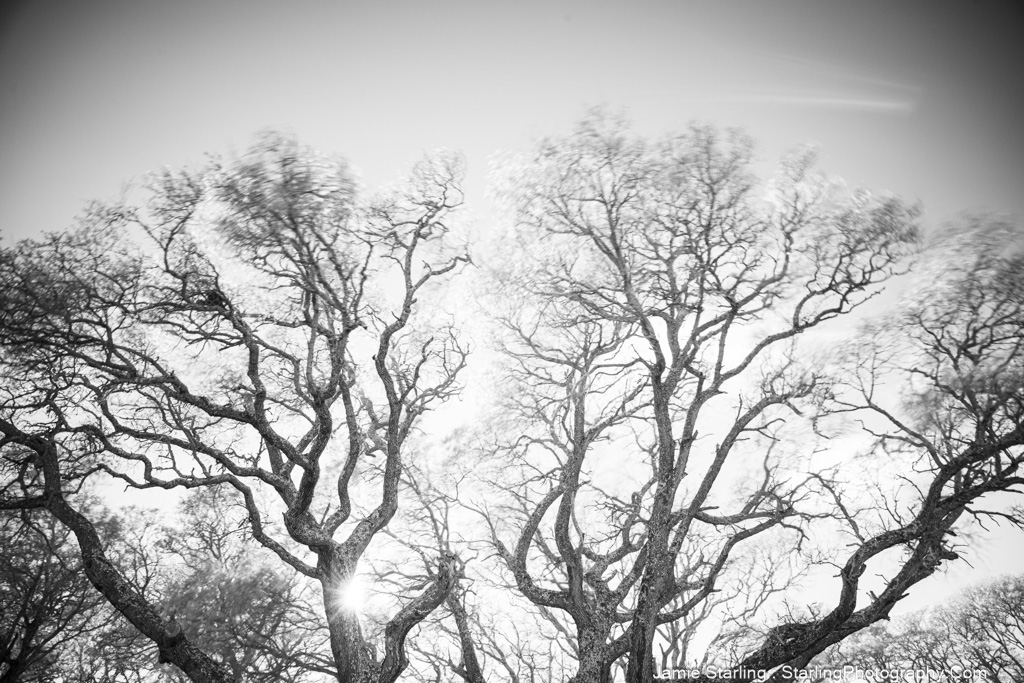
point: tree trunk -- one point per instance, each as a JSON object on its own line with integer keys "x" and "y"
{"x": 594, "y": 665}
{"x": 351, "y": 652}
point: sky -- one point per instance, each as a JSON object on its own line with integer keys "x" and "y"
{"x": 923, "y": 99}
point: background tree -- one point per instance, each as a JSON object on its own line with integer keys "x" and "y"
{"x": 267, "y": 335}
{"x": 202, "y": 569}
{"x": 47, "y": 600}
{"x": 980, "y": 631}
{"x": 259, "y": 621}
{"x": 481, "y": 632}
{"x": 112, "y": 650}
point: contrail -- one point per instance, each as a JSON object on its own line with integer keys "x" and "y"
{"x": 835, "y": 71}
{"x": 879, "y": 105}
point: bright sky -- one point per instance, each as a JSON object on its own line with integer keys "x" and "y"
{"x": 920, "y": 98}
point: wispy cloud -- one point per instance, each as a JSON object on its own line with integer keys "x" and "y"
{"x": 881, "y": 105}
{"x": 834, "y": 72}
{"x": 787, "y": 80}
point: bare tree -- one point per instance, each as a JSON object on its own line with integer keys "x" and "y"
{"x": 663, "y": 471}
{"x": 112, "y": 650}
{"x": 254, "y": 616}
{"x": 956, "y": 432}
{"x": 979, "y": 634}
{"x": 266, "y": 336}
{"x": 201, "y": 569}
{"x": 482, "y": 632}
{"x": 651, "y": 324}
{"x": 47, "y": 601}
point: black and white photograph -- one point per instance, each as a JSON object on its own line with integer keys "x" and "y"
{"x": 481, "y": 341}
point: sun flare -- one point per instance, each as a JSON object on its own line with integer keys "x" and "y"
{"x": 351, "y": 595}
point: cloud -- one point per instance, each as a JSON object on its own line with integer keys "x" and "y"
{"x": 881, "y": 105}
{"x": 834, "y": 72}
{"x": 792, "y": 81}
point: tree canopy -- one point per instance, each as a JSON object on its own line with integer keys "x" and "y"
{"x": 682, "y": 381}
